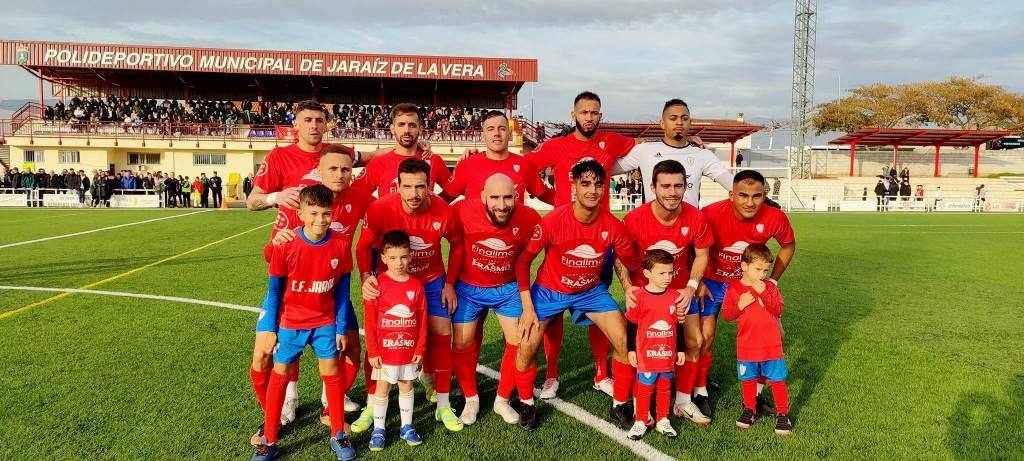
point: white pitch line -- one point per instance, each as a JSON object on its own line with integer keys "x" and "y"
{"x": 638, "y": 447}
{"x": 73, "y": 234}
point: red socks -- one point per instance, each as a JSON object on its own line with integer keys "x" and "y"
{"x": 642, "y": 393}
{"x": 275, "y": 400}
{"x": 599, "y": 346}
{"x": 371, "y": 384}
{"x": 465, "y": 369}
{"x": 349, "y": 371}
{"x": 294, "y": 376}
{"x": 750, "y": 394}
{"x": 553, "y": 346}
{"x": 781, "y": 395}
{"x": 524, "y": 382}
{"x": 704, "y": 365}
{"x": 440, "y": 352}
{"x": 664, "y": 393}
{"x": 687, "y": 376}
{"x": 507, "y": 375}
{"x": 335, "y": 401}
{"x": 260, "y": 381}
{"x": 624, "y": 374}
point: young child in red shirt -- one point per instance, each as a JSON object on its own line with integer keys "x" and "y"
{"x": 396, "y": 337}
{"x": 655, "y": 347}
{"x": 756, "y": 305}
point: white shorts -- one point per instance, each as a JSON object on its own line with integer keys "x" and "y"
{"x": 395, "y": 373}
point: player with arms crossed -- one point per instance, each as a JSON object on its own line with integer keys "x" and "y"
{"x": 736, "y": 222}
{"x": 575, "y": 238}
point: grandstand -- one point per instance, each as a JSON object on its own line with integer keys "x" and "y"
{"x": 192, "y": 110}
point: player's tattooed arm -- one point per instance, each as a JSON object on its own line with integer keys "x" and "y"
{"x": 623, "y": 274}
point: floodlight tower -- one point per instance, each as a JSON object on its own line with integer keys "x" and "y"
{"x": 803, "y": 85}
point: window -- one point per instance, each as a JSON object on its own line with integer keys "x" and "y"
{"x": 209, "y": 159}
{"x": 142, "y": 158}
{"x": 34, "y": 156}
{"x": 68, "y": 156}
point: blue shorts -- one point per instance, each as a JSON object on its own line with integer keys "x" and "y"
{"x": 550, "y": 303}
{"x": 290, "y": 343}
{"x": 716, "y": 290}
{"x": 473, "y": 300}
{"x": 648, "y": 379}
{"x": 773, "y": 370}
{"x": 694, "y": 306}
{"x": 433, "y": 291}
{"x": 349, "y": 322}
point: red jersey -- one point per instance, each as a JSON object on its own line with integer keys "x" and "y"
{"x": 472, "y": 172}
{"x": 689, "y": 228}
{"x": 348, "y": 208}
{"x": 381, "y": 174}
{"x": 733, "y": 235}
{"x": 758, "y": 334}
{"x": 655, "y": 318}
{"x": 425, "y": 229}
{"x": 396, "y": 321}
{"x": 489, "y": 252}
{"x": 564, "y": 152}
{"x": 574, "y": 252}
{"x": 284, "y": 167}
{"x": 311, "y": 271}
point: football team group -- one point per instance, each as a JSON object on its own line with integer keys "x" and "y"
{"x": 679, "y": 267}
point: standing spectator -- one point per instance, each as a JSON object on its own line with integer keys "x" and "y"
{"x": 86, "y": 186}
{"x": 28, "y": 182}
{"x": 864, "y": 196}
{"x": 128, "y": 181}
{"x": 14, "y": 179}
{"x": 215, "y": 188}
{"x": 170, "y": 188}
{"x": 73, "y": 182}
{"x": 905, "y": 173}
{"x": 885, "y": 170}
{"x": 892, "y": 172}
{"x": 197, "y": 191}
{"x": 97, "y": 189}
{"x": 905, "y": 190}
{"x": 881, "y": 190}
{"x": 938, "y": 198}
{"x": 112, "y": 185}
{"x": 979, "y": 198}
{"x": 161, "y": 189}
{"x": 247, "y": 186}
{"x": 919, "y": 193}
{"x": 739, "y": 160}
{"x": 56, "y": 181}
{"x": 186, "y": 193}
{"x": 205, "y": 201}
{"x": 42, "y": 182}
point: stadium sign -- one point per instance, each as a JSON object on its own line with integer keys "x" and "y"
{"x": 177, "y": 59}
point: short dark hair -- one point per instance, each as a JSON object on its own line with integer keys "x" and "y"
{"x": 493, "y": 113}
{"x": 317, "y": 195}
{"x": 657, "y": 256}
{"x": 588, "y": 95}
{"x": 674, "y": 102}
{"x": 588, "y": 166}
{"x": 394, "y": 239}
{"x": 758, "y": 252}
{"x": 412, "y": 166}
{"x": 338, "y": 149}
{"x": 309, "y": 104}
{"x": 745, "y": 175}
{"x": 405, "y": 108}
{"x": 667, "y": 167}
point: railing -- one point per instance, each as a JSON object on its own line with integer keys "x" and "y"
{"x": 205, "y": 131}
{"x": 28, "y": 111}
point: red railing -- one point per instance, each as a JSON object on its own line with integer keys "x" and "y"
{"x": 28, "y": 111}
{"x": 204, "y": 132}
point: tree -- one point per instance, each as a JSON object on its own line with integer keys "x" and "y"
{"x": 958, "y": 102}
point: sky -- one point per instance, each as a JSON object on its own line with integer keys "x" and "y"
{"x": 722, "y": 57}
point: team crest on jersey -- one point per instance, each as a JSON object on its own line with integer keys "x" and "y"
{"x": 262, "y": 169}
{"x": 515, "y": 231}
{"x": 760, "y": 228}
{"x": 537, "y": 232}
{"x": 685, "y": 230}
{"x": 690, "y": 160}
{"x": 657, "y": 155}
{"x": 515, "y": 168}
{"x": 437, "y": 226}
{"x": 410, "y": 294}
{"x": 601, "y": 145}
{"x": 348, "y": 208}
{"x": 604, "y": 235}
{"x": 334, "y": 263}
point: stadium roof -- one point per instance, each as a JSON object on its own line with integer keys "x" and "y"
{"x": 212, "y": 73}
{"x": 919, "y": 137}
{"x": 709, "y": 130}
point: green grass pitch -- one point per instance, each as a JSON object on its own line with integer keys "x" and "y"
{"x": 903, "y": 335}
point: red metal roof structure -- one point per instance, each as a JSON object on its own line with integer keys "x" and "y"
{"x": 938, "y": 137}
{"x": 709, "y": 131}
{"x": 209, "y": 73}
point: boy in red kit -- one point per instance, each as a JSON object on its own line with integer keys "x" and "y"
{"x": 655, "y": 347}
{"x": 304, "y": 300}
{"x": 757, "y": 306}
{"x": 396, "y": 336}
